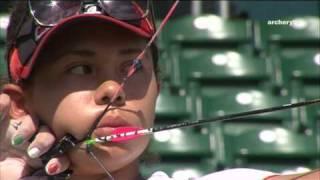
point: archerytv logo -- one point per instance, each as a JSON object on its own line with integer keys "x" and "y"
{"x": 298, "y": 23}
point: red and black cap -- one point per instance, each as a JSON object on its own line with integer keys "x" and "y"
{"x": 32, "y": 38}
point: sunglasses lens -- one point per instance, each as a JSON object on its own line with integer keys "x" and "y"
{"x": 51, "y": 12}
{"x": 125, "y": 10}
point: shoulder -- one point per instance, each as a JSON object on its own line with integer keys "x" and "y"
{"x": 159, "y": 175}
{"x": 239, "y": 173}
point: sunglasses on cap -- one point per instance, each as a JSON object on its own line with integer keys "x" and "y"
{"x": 48, "y": 15}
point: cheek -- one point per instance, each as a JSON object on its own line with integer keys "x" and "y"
{"x": 71, "y": 116}
{"x": 43, "y": 102}
{"x": 149, "y": 102}
{"x": 63, "y": 112}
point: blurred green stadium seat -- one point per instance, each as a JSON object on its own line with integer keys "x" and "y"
{"x": 180, "y": 150}
{"x": 3, "y": 66}
{"x": 303, "y": 30}
{"x": 317, "y": 128}
{"x": 165, "y": 68}
{"x": 4, "y": 19}
{"x": 270, "y": 146}
{"x": 300, "y": 63}
{"x": 221, "y": 66}
{"x": 164, "y": 58}
{"x": 277, "y": 142}
{"x": 179, "y": 169}
{"x": 3, "y": 22}
{"x": 310, "y": 118}
{"x": 188, "y": 150}
{"x": 181, "y": 143}
{"x": 237, "y": 101}
{"x": 171, "y": 107}
{"x": 311, "y": 91}
{"x": 240, "y": 101}
{"x": 205, "y": 31}
{"x": 207, "y": 28}
{"x": 302, "y": 66}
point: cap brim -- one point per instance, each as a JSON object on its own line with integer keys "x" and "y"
{"x": 80, "y": 18}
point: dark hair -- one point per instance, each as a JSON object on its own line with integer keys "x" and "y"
{"x": 20, "y": 12}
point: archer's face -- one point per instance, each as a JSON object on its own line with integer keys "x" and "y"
{"x": 80, "y": 71}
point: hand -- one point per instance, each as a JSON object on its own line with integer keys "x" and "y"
{"x": 19, "y": 157}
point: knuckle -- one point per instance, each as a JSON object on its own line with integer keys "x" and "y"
{"x": 46, "y": 133}
{"x": 44, "y": 140}
{"x": 28, "y": 132}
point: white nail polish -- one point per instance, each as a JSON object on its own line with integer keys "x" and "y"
{"x": 34, "y": 152}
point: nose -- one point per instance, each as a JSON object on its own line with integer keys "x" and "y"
{"x": 110, "y": 91}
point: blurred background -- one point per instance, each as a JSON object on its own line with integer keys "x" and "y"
{"x": 223, "y": 57}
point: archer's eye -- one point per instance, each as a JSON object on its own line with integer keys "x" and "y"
{"x": 81, "y": 70}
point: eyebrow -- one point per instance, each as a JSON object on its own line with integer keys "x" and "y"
{"x": 131, "y": 51}
{"x": 78, "y": 52}
{"x": 82, "y": 52}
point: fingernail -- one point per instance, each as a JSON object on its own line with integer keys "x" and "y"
{"x": 17, "y": 140}
{"x": 34, "y": 152}
{"x": 52, "y": 168}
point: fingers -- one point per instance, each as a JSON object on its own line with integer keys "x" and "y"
{"x": 14, "y": 168}
{"x": 25, "y": 128}
{"x": 20, "y": 131}
{"x": 42, "y": 143}
{"x": 57, "y": 165}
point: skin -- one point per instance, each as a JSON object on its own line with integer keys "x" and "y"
{"x": 14, "y": 161}
{"x": 304, "y": 176}
{"x": 71, "y": 86}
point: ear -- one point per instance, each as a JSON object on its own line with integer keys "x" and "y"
{"x": 17, "y": 96}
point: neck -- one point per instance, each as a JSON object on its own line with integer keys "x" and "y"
{"x": 129, "y": 172}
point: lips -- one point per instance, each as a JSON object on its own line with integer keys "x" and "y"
{"x": 108, "y": 124}
{"x": 103, "y": 131}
